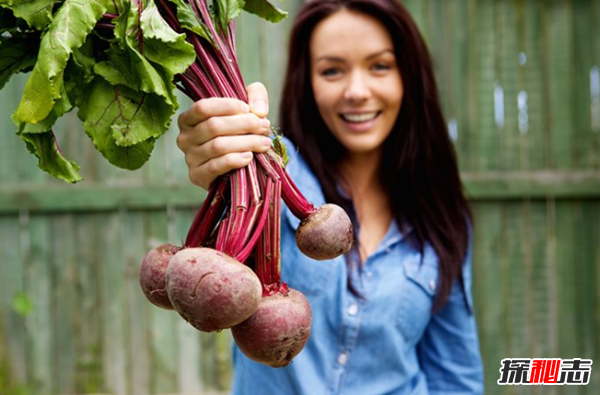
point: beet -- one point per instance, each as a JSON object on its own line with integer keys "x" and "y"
{"x": 326, "y": 233}
{"x": 277, "y": 331}
{"x": 211, "y": 290}
{"x": 153, "y": 278}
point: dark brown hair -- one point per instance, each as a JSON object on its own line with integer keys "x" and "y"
{"x": 419, "y": 168}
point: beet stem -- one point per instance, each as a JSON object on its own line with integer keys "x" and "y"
{"x": 260, "y": 225}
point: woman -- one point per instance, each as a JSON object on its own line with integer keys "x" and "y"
{"x": 365, "y": 129}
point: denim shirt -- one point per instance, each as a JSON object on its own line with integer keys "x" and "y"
{"x": 387, "y": 342}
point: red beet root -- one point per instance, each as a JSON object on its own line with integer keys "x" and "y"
{"x": 211, "y": 290}
{"x": 277, "y": 331}
{"x": 153, "y": 277}
{"x": 325, "y": 234}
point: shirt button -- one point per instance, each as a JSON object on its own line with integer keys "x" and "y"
{"x": 343, "y": 358}
{"x": 353, "y": 309}
{"x": 369, "y": 274}
{"x": 432, "y": 284}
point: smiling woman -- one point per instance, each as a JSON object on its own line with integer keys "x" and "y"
{"x": 356, "y": 83}
{"x": 364, "y": 130}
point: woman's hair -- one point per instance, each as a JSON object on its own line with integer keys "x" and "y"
{"x": 419, "y": 170}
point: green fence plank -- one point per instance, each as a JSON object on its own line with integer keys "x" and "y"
{"x": 488, "y": 287}
{"x": 62, "y": 259}
{"x": 541, "y": 282}
{"x": 560, "y": 81}
{"x": 99, "y": 197}
{"x": 15, "y": 304}
{"x": 540, "y": 185}
{"x": 515, "y": 277}
{"x": 87, "y": 321}
{"x": 507, "y": 58}
{"x": 136, "y": 320}
{"x": 567, "y": 293}
{"x": 534, "y": 144}
{"x": 457, "y": 78}
{"x": 39, "y": 289}
{"x": 546, "y": 283}
{"x": 478, "y": 185}
{"x": 488, "y": 90}
{"x": 594, "y": 213}
{"x": 582, "y": 62}
{"x": 112, "y": 282}
{"x": 584, "y": 265}
{"x": 470, "y": 142}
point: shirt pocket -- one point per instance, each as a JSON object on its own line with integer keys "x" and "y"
{"x": 299, "y": 271}
{"x": 416, "y": 299}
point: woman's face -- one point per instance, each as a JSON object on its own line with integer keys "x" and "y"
{"x": 355, "y": 80}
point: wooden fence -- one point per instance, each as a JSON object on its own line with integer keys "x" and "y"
{"x": 520, "y": 83}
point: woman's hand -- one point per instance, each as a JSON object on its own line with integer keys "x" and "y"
{"x": 219, "y": 134}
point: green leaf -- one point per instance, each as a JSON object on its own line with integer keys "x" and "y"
{"x": 123, "y": 123}
{"x": 226, "y": 10}
{"x": 117, "y": 69}
{"x": 17, "y": 55}
{"x": 71, "y": 25}
{"x": 190, "y": 21}
{"x": 51, "y": 160}
{"x": 37, "y": 13}
{"x": 130, "y": 64}
{"x": 163, "y": 45}
{"x": 279, "y": 148}
{"x": 61, "y": 106}
{"x": 21, "y": 304}
{"x": 79, "y": 73}
{"x": 265, "y": 10}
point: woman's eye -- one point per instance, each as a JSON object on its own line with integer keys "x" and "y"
{"x": 381, "y": 67}
{"x": 330, "y": 72}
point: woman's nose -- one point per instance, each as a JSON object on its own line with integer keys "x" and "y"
{"x": 358, "y": 87}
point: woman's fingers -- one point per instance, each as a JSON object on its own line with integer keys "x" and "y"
{"x": 206, "y": 173}
{"x": 218, "y": 135}
{"x": 217, "y": 126}
{"x": 224, "y": 145}
{"x": 213, "y": 107}
{"x": 222, "y": 154}
{"x": 258, "y": 99}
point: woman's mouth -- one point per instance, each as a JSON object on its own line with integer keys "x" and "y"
{"x": 359, "y": 117}
{"x": 360, "y": 122}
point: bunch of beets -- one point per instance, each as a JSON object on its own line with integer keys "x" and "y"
{"x": 228, "y": 272}
{"x": 119, "y": 63}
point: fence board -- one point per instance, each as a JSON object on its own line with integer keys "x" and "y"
{"x": 14, "y": 303}
{"x": 88, "y": 321}
{"x": 113, "y": 304}
{"x": 39, "y": 323}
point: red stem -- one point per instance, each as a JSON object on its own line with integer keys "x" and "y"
{"x": 268, "y": 254}
{"x": 293, "y": 198}
{"x": 260, "y": 225}
{"x": 238, "y": 211}
{"x": 208, "y": 215}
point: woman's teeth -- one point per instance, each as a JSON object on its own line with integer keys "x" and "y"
{"x": 359, "y": 117}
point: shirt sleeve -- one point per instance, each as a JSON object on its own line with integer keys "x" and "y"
{"x": 449, "y": 349}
